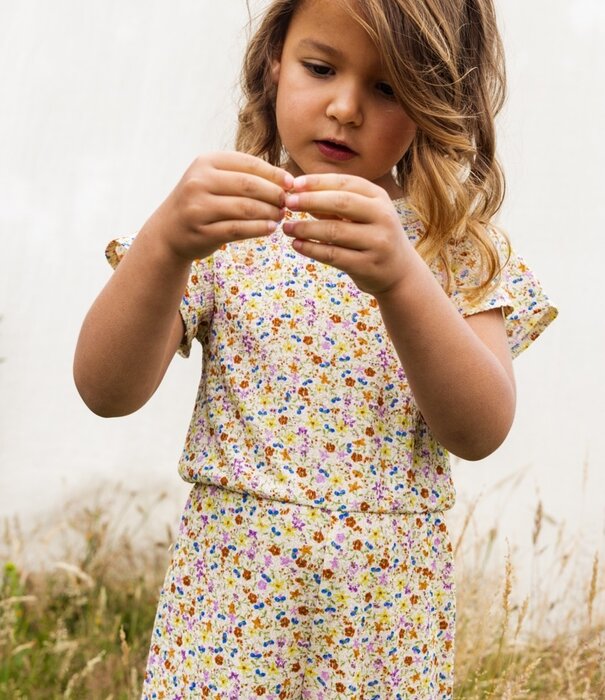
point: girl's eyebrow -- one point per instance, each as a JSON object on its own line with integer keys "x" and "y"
{"x": 319, "y": 46}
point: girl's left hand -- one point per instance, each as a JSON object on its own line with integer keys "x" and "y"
{"x": 360, "y": 235}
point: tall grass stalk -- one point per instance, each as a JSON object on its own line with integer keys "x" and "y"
{"x": 541, "y": 636}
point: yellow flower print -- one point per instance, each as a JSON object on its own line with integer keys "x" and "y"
{"x": 341, "y": 348}
{"x": 365, "y": 578}
{"x": 206, "y": 661}
{"x": 313, "y": 423}
{"x": 271, "y": 422}
{"x": 404, "y": 606}
{"x": 419, "y": 618}
{"x": 278, "y": 585}
{"x": 439, "y": 597}
{"x": 287, "y": 530}
{"x": 341, "y": 598}
{"x": 230, "y": 581}
{"x": 385, "y": 617}
{"x": 208, "y": 505}
{"x": 313, "y": 515}
{"x": 320, "y": 294}
{"x": 425, "y": 682}
{"x": 381, "y": 594}
{"x": 228, "y": 522}
{"x": 290, "y": 439}
{"x": 271, "y": 276}
{"x": 387, "y": 452}
{"x": 273, "y": 669}
{"x": 337, "y": 480}
{"x": 203, "y": 634}
{"x": 362, "y": 411}
{"x": 265, "y": 400}
{"x": 241, "y": 540}
{"x": 222, "y": 682}
{"x": 375, "y": 534}
{"x": 281, "y": 477}
{"x": 340, "y": 426}
{"x": 244, "y": 665}
{"x": 291, "y": 652}
{"x": 278, "y": 295}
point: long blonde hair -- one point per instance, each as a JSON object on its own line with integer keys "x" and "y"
{"x": 445, "y": 63}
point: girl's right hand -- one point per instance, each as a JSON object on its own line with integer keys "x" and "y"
{"x": 133, "y": 329}
{"x": 222, "y": 197}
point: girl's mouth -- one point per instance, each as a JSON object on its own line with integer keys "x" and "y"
{"x": 335, "y": 151}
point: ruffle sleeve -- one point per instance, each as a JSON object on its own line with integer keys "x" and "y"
{"x": 198, "y": 299}
{"x": 527, "y": 309}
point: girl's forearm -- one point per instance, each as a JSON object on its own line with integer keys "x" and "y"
{"x": 459, "y": 371}
{"x": 133, "y": 328}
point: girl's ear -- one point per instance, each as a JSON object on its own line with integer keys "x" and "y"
{"x": 275, "y": 69}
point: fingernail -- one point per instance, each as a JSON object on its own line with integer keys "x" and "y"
{"x": 288, "y": 228}
{"x": 288, "y": 181}
{"x": 299, "y": 182}
{"x": 271, "y": 226}
{"x": 292, "y": 201}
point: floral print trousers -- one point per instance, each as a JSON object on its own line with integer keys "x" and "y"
{"x": 266, "y": 599}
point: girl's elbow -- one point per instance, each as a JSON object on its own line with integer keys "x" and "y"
{"x": 474, "y": 451}
{"x": 109, "y": 410}
{"x": 101, "y": 401}
{"x": 480, "y": 442}
{"x": 100, "y": 406}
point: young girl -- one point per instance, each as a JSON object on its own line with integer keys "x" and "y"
{"x": 358, "y": 313}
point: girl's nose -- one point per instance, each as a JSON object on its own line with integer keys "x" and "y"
{"x": 345, "y": 106}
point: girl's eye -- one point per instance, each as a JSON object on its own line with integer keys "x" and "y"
{"x": 318, "y": 69}
{"x": 386, "y": 90}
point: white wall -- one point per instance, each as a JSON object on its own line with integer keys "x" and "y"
{"x": 105, "y": 103}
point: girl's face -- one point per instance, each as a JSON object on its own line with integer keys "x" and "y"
{"x": 335, "y": 109}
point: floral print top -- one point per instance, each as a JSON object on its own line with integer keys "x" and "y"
{"x": 302, "y": 396}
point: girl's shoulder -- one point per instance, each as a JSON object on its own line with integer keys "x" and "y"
{"x": 516, "y": 289}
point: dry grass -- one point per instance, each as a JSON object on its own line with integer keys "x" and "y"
{"x": 541, "y": 637}
{"x": 78, "y": 627}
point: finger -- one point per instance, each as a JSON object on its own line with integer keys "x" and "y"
{"x": 339, "y": 203}
{"x": 340, "y": 258}
{"x": 238, "y": 230}
{"x": 331, "y": 232}
{"x": 236, "y": 183}
{"x": 337, "y": 182}
{"x": 244, "y": 209}
{"x": 244, "y": 162}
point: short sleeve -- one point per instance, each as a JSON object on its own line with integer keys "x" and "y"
{"x": 526, "y": 308}
{"x": 198, "y": 299}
